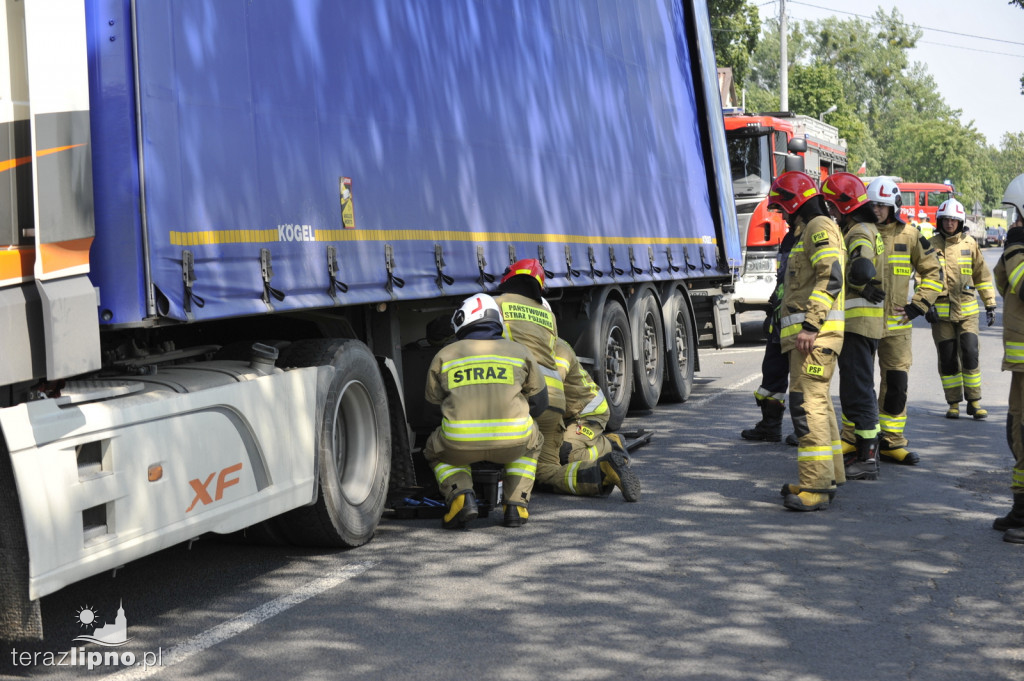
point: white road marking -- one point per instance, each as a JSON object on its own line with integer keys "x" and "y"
{"x": 719, "y": 393}
{"x": 738, "y": 351}
{"x": 245, "y": 621}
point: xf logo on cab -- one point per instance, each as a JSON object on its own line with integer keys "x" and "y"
{"x": 223, "y": 482}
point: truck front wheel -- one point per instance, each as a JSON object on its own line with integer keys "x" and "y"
{"x": 354, "y": 447}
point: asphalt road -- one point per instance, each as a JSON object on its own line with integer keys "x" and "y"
{"x": 707, "y": 577}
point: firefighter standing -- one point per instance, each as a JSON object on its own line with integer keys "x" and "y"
{"x": 771, "y": 394}
{"x": 490, "y": 389}
{"x": 864, "y": 324}
{"x": 926, "y": 228}
{"x": 1009, "y": 278}
{"x": 812, "y": 336}
{"x": 954, "y": 316}
{"x": 906, "y": 252}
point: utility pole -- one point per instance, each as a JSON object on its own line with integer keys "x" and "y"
{"x": 783, "y": 60}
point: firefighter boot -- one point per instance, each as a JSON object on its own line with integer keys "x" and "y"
{"x": 863, "y": 463}
{"x": 1014, "y": 535}
{"x": 897, "y": 454}
{"x": 769, "y": 428}
{"x": 1015, "y": 518}
{"x": 796, "y": 490}
{"x": 515, "y": 515}
{"x": 974, "y": 409}
{"x": 461, "y": 511}
{"x": 616, "y": 471}
{"x": 954, "y": 410}
{"x": 809, "y": 500}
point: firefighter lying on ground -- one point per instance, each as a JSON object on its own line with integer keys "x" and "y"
{"x": 490, "y": 390}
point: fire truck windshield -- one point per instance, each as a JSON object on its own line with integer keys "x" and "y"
{"x": 750, "y": 161}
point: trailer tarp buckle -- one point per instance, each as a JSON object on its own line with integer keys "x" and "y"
{"x": 595, "y": 273}
{"x": 441, "y": 278}
{"x": 188, "y": 278}
{"x": 389, "y": 263}
{"x": 267, "y": 270}
{"x": 481, "y": 263}
{"x": 336, "y": 284}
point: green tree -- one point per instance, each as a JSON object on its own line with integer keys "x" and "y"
{"x": 735, "y": 27}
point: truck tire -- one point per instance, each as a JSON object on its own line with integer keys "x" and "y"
{"x": 354, "y": 447}
{"x": 614, "y": 366}
{"x": 649, "y": 366}
{"x": 679, "y": 359}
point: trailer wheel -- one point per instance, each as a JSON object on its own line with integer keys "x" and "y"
{"x": 614, "y": 362}
{"x": 354, "y": 447}
{"x": 649, "y": 367}
{"x": 679, "y": 362}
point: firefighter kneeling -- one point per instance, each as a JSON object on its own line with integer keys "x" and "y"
{"x": 490, "y": 390}
{"x": 590, "y": 463}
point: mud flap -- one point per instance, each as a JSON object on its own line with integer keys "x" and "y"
{"x": 20, "y": 617}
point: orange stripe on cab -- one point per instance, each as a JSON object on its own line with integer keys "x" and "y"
{"x": 17, "y": 263}
{"x": 15, "y": 162}
{"x": 64, "y": 255}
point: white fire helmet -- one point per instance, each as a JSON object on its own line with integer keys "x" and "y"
{"x": 884, "y": 190}
{"x": 922, "y": 215}
{"x": 476, "y": 308}
{"x": 1014, "y": 196}
{"x": 951, "y": 208}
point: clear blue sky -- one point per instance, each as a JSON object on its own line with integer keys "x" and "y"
{"x": 979, "y": 76}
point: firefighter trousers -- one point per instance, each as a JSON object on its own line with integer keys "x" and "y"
{"x": 956, "y": 344}
{"x": 774, "y": 374}
{"x": 579, "y": 475}
{"x": 819, "y": 453}
{"x": 857, "y": 387}
{"x": 894, "y": 360}
{"x": 1015, "y": 429}
{"x": 454, "y": 476}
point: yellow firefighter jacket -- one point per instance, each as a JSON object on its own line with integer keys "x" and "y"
{"x": 483, "y": 388}
{"x": 965, "y": 276}
{"x": 1009, "y": 276}
{"x": 527, "y": 322}
{"x": 584, "y": 400}
{"x": 815, "y": 284}
{"x": 906, "y": 251}
{"x": 862, "y": 316}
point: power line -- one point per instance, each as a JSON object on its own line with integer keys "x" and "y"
{"x": 970, "y": 49}
{"x": 927, "y": 28}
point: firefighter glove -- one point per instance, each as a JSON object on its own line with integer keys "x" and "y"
{"x": 912, "y": 311}
{"x": 932, "y": 315}
{"x": 873, "y": 292}
{"x": 990, "y": 315}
